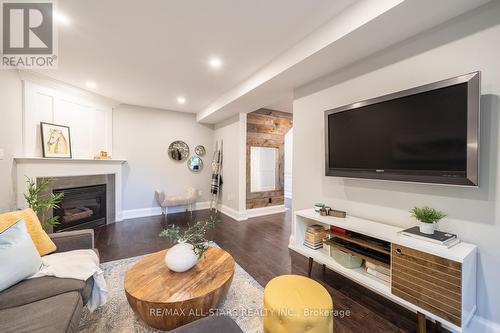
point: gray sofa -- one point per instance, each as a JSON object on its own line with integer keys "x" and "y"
{"x": 48, "y": 304}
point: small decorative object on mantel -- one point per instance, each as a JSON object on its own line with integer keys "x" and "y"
{"x": 191, "y": 244}
{"x": 56, "y": 141}
{"x": 103, "y": 155}
{"x": 428, "y": 218}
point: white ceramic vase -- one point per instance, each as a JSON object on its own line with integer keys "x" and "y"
{"x": 181, "y": 257}
{"x": 427, "y": 228}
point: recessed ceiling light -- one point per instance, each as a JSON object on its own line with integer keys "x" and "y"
{"x": 215, "y": 62}
{"x": 181, "y": 100}
{"x": 91, "y": 84}
{"x": 61, "y": 18}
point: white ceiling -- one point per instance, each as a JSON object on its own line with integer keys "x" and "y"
{"x": 361, "y": 30}
{"x": 284, "y": 103}
{"x": 149, "y": 52}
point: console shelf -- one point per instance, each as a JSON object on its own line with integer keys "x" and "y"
{"x": 417, "y": 292}
{"x": 359, "y": 254}
{"x": 357, "y": 274}
{"x": 362, "y": 242}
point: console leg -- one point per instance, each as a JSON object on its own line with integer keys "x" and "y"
{"x": 422, "y": 328}
{"x": 309, "y": 270}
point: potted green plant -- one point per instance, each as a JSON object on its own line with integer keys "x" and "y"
{"x": 428, "y": 218}
{"x": 191, "y": 244}
{"x": 41, "y": 202}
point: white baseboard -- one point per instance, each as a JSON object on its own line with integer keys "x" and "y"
{"x": 483, "y": 325}
{"x": 265, "y": 211}
{"x": 255, "y": 212}
{"x": 232, "y": 213}
{"x": 153, "y": 211}
{"x": 141, "y": 212}
{"x": 119, "y": 217}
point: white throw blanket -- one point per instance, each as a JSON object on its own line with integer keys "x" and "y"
{"x": 80, "y": 265}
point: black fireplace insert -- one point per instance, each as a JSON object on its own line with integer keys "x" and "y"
{"x": 81, "y": 208}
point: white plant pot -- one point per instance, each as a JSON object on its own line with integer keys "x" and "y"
{"x": 427, "y": 228}
{"x": 181, "y": 257}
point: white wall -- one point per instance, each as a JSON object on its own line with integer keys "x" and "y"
{"x": 233, "y": 196}
{"x": 25, "y": 100}
{"x": 142, "y": 136}
{"x": 10, "y": 134}
{"x": 288, "y": 163}
{"x": 90, "y": 122}
{"x": 463, "y": 45}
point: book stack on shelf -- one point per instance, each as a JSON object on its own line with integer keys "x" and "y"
{"x": 438, "y": 237}
{"x": 314, "y": 236}
{"x": 378, "y": 271}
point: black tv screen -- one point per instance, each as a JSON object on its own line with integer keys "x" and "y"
{"x": 426, "y": 134}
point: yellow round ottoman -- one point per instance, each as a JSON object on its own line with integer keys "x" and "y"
{"x": 296, "y": 304}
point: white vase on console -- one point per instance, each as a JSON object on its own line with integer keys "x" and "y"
{"x": 427, "y": 228}
{"x": 181, "y": 257}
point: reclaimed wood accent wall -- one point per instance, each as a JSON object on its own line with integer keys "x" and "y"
{"x": 267, "y": 128}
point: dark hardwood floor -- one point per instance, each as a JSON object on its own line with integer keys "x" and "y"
{"x": 260, "y": 246}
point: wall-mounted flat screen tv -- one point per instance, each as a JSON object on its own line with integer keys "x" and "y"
{"x": 428, "y": 134}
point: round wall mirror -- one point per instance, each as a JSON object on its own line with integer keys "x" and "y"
{"x": 199, "y": 150}
{"x": 195, "y": 164}
{"x": 178, "y": 150}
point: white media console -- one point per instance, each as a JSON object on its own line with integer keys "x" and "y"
{"x": 430, "y": 279}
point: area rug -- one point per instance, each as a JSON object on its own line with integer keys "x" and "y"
{"x": 242, "y": 304}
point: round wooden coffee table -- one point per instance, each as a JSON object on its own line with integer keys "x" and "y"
{"x": 165, "y": 300}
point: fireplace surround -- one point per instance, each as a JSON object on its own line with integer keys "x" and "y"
{"x": 81, "y": 207}
{"x": 72, "y": 173}
{"x": 78, "y": 190}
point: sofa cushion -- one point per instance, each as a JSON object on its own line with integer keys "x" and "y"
{"x": 73, "y": 240}
{"x": 32, "y": 290}
{"x": 16, "y": 243}
{"x": 42, "y": 241}
{"x": 58, "y": 314}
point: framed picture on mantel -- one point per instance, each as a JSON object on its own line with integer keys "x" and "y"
{"x": 56, "y": 140}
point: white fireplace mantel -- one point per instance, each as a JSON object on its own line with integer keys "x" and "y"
{"x": 65, "y": 160}
{"x": 37, "y": 167}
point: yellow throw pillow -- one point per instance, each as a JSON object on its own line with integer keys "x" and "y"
{"x": 42, "y": 241}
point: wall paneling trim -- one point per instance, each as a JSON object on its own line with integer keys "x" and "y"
{"x": 90, "y": 122}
